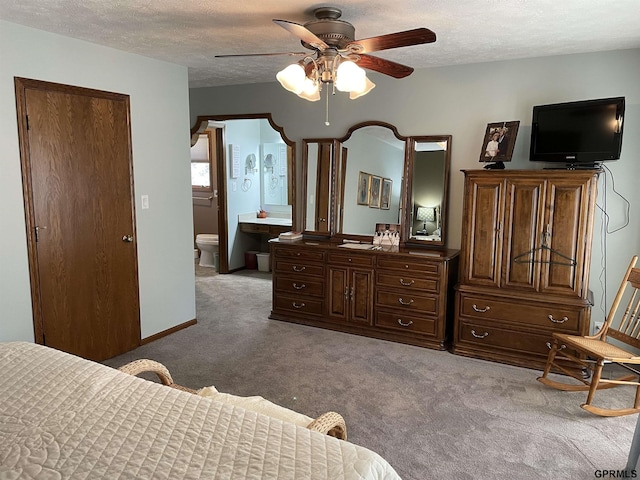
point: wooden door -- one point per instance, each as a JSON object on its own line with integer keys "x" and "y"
{"x": 482, "y": 236}
{"x": 76, "y": 162}
{"x": 522, "y": 233}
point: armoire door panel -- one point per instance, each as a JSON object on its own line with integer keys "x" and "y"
{"x": 482, "y": 262}
{"x": 523, "y": 216}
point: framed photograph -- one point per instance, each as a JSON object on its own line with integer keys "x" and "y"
{"x": 385, "y": 196}
{"x": 364, "y": 179}
{"x": 499, "y": 140}
{"x": 375, "y": 190}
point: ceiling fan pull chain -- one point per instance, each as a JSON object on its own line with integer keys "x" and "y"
{"x": 326, "y": 118}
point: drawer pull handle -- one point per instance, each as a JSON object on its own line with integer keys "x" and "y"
{"x": 562, "y": 320}
{"x": 406, "y": 284}
{"x": 481, "y": 310}
{"x": 299, "y": 287}
{"x": 402, "y": 302}
{"x": 297, "y": 305}
{"x": 298, "y": 269}
{"x": 562, "y": 347}
{"x": 485, "y": 334}
{"x": 410, "y": 322}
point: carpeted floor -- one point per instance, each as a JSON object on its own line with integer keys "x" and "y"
{"x": 431, "y": 414}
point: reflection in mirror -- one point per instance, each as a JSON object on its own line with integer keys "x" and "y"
{"x": 317, "y": 191}
{"x": 429, "y": 189}
{"x": 273, "y": 181}
{"x": 371, "y": 179}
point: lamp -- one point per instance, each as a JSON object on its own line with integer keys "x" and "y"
{"x": 306, "y": 77}
{"x": 426, "y": 214}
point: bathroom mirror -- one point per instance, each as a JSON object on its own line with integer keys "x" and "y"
{"x": 428, "y": 162}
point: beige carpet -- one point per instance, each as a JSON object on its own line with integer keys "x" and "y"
{"x": 431, "y": 414}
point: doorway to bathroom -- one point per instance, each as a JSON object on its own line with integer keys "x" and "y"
{"x": 75, "y": 150}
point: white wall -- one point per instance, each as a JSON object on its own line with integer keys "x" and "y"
{"x": 160, "y": 143}
{"x": 461, "y": 101}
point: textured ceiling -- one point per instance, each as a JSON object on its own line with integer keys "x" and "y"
{"x": 192, "y": 32}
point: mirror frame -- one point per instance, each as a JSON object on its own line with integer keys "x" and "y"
{"x": 336, "y": 185}
{"x": 410, "y": 164}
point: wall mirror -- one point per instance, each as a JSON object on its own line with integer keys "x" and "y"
{"x": 429, "y": 159}
{"x": 374, "y": 175}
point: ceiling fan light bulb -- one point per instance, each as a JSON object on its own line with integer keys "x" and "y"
{"x": 292, "y": 78}
{"x": 369, "y": 85}
{"x": 350, "y": 77}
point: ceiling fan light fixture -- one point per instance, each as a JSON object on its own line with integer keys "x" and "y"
{"x": 311, "y": 90}
{"x": 369, "y": 85}
{"x": 292, "y": 78}
{"x": 350, "y": 77}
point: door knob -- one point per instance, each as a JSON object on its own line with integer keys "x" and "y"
{"x": 127, "y": 238}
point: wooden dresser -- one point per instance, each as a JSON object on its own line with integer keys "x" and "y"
{"x": 402, "y": 295}
{"x": 524, "y": 268}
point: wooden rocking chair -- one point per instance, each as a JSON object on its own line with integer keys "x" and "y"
{"x": 599, "y": 351}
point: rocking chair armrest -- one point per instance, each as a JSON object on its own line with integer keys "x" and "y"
{"x": 330, "y": 423}
{"x": 145, "y": 365}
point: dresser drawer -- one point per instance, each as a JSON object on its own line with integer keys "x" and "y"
{"x": 409, "y": 264}
{"x": 407, "y": 281}
{"x": 407, "y": 323}
{"x": 253, "y": 228}
{"x": 282, "y": 266}
{"x": 301, "y": 285}
{"x": 345, "y": 260}
{"x": 299, "y": 306}
{"x": 549, "y": 316}
{"x": 407, "y": 302}
{"x": 501, "y": 337}
{"x": 298, "y": 255}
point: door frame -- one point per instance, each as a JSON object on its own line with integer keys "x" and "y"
{"x": 202, "y": 123}
{"x": 21, "y": 86}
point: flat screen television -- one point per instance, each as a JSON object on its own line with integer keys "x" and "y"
{"x": 579, "y": 134}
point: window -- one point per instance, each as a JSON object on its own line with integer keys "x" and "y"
{"x": 201, "y": 174}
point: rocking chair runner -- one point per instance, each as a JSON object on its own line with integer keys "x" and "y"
{"x": 599, "y": 351}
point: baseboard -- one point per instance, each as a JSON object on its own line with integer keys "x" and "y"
{"x": 169, "y": 331}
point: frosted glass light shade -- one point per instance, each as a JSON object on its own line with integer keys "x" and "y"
{"x": 368, "y": 86}
{"x": 311, "y": 90}
{"x": 292, "y": 78}
{"x": 350, "y": 77}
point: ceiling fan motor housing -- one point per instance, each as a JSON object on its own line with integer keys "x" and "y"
{"x": 335, "y": 33}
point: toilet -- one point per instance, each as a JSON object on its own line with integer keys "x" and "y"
{"x": 207, "y": 243}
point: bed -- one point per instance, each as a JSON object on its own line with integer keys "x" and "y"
{"x": 65, "y": 417}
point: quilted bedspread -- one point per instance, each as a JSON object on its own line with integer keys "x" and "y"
{"x": 65, "y": 417}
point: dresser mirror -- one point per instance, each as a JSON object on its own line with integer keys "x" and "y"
{"x": 429, "y": 161}
{"x": 375, "y": 176}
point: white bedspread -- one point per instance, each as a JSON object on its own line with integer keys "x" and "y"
{"x": 65, "y": 417}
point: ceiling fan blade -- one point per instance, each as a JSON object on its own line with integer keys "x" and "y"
{"x": 407, "y": 38}
{"x": 291, "y": 54}
{"x": 302, "y": 33}
{"x": 393, "y": 69}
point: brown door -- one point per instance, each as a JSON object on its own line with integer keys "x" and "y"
{"x": 76, "y": 163}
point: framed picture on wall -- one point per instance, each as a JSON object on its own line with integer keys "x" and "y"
{"x": 375, "y": 190}
{"x": 385, "y": 196}
{"x": 364, "y": 180}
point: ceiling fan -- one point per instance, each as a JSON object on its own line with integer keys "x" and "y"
{"x": 337, "y": 58}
